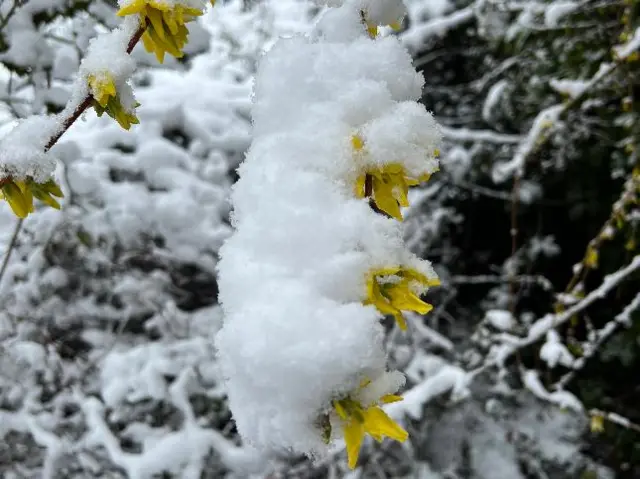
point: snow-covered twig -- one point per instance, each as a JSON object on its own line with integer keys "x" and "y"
{"x": 487, "y": 136}
{"x": 616, "y": 419}
{"x": 602, "y": 336}
{"x": 511, "y": 344}
{"x": 415, "y": 38}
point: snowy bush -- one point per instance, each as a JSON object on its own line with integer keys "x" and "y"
{"x": 109, "y": 315}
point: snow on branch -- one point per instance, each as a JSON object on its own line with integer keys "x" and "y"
{"x": 318, "y": 257}
{"x": 511, "y": 344}
{"x": 26, "y": 167}
{"x": 416, "y": 37}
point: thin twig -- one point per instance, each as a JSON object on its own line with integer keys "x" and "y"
{"x": 543, "y": 325}
{"x": 66, "y": 124}
{"x": 12, "y": 245}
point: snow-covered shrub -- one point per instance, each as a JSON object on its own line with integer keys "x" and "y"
{"x": 317, "y": 256}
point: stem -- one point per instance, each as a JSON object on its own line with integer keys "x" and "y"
{"x": 88, "y": 101}
{"x": 66, "y": 124}
{"x": 12, "y": 245}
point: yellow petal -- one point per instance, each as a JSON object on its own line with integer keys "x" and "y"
{"x": 378, "y": 423}
{"x": 357, "y": 142}
{"x": 171, "y": 23}
{"x": 194, "y": 12}
{"x": 17, "y": 201}
{"x": 133, "y": 8}
{"x": 160, "y": 5}
{"x": 405, "y": 300}
{"x": 156, "y": 20}
{"x": 384, "y": 198}
{"x": 27, "y": 193}
{"x": 353, "y": 435}
{"x": 52, "y": 188}
{"x": 340, "y": 411}
{"x": 389, "y": 398}
{"x": 360, "y": 186}
{"x": 381, "y": 303}
{"x": 46, "y": 198}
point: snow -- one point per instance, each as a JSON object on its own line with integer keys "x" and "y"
{"x": 631, "y": 46}
{"x": 544, "y": 120}
{"x": 556, "y": 11}
{"x": 147, "y": 199}
{"x": 292, "y": 275}
{"x": 571, "y": 88}
{"x": 493, "y": 99}
{"x": 563, "y": 399}
{"x": 22, "y": 150}
{"x": 500, "y": 319}
{"x": 418, "y": 36}
{"x": 554, "y": 352}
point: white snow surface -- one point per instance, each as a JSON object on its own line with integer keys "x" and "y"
{"x": 292, "y": 276}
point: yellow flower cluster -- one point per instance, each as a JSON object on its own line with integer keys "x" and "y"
{"x": 391, "y": 290}
{"x": 20, "y": 194}
{"x": 165, "y": 25}
{"x": 106, "y": 99}
{"x": 357, "y": 419}
{"x": 360, "y": 420}
{"x": 397, "y": 289}
{"x": 389, "y": 184}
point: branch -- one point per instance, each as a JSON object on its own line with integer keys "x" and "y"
{"x": 601, "y": 337}
{"x": 88, "y": 101}
{"x": 511, "y": 344}
{"x": 10, "y": 248}
{"x": 66, "y": 124}
{"x": 615, "y": 418}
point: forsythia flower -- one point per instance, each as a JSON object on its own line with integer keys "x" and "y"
{"x": 396, "y": 289}
{"x": 106, "y": 99}
{"x": 382, "y": 13}
{"x": 389, "y": 184}
{"x": 165, "y": 20}
{"x": 20, "y": 193}
{"x": 357, "y": 416}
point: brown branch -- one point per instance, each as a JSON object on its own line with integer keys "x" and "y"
{"x": 88, "y": 101}
{"x": 66, "y": 124}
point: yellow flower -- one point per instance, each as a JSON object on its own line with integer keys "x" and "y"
{"x": 358, "y": 419}
{"x": 389, "y": 184}
{"x": 393, "y": 290}
{"x": 597, "y": 423}
{"x": 106, "y": 99}
{"x": 19, "y": 194}
{"x": 372, "y": 27}
{"x": 166, "y": 31}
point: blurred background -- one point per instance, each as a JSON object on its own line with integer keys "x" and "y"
{"x": 528, "y": 367}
